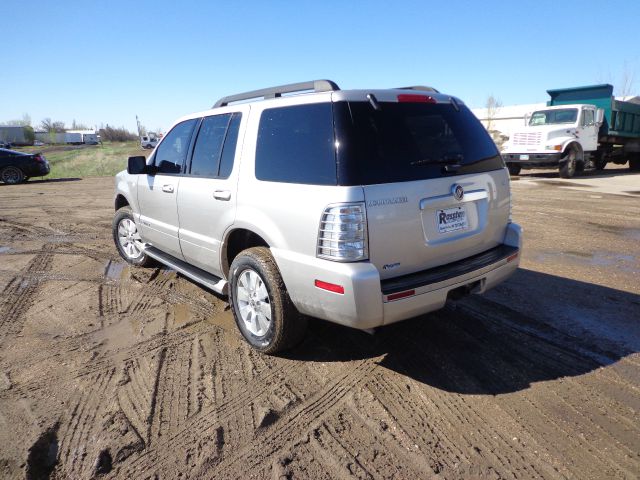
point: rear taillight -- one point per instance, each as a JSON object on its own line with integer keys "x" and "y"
{"x": 39, "y": 158}
{"x": 343, "y": 233}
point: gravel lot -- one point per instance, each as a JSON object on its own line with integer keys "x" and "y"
{"x": 111, "y": 371}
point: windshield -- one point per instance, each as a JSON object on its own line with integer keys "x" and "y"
{"x": 546, "y": 117}
{"x": 403, "y": 142}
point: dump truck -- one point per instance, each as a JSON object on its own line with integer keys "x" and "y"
{"x": 581, "y": 128}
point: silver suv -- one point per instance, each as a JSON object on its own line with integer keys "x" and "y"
{"x": 361, "y": 207}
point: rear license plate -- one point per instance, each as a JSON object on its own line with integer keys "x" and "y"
{"x": 524, "y": 157}
{"x": 451, "y": 219}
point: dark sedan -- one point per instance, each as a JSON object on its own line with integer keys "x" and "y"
{"x": 17, "y": 167}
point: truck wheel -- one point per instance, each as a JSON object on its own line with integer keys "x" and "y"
{"x": 568, "y": 167}
{"x": 127, "y": 239}
{"x": 11, "y": 175}
{"x": 261, "y": 306}
{"x": 634, "y": 163}
{"x": 514, "y": 169}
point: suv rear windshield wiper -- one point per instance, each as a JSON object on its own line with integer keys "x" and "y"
{"x": 445, "y": 159}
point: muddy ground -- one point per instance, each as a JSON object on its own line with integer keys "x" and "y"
{"x": 112, "y": 371}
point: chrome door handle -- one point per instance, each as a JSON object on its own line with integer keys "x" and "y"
{"x": 222, "y": 195}
{"x": 167, "y": 188}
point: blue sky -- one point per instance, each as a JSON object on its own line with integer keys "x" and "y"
{"x": 106, "y": 61}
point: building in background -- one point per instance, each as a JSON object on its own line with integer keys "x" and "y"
{"x": 16, "y": 135}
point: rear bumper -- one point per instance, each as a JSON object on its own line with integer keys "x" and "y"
{"x": 534, "y": 160}
{"x": 367, "y": 302}
{"x": 36, "y": 170}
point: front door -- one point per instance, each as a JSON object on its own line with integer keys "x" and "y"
{"x": 207, "y": 193}
{"x": 589, "y": 130}
{"x": 157, "y": 194}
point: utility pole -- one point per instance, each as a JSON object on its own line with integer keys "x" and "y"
{"x": 138, "y": 124}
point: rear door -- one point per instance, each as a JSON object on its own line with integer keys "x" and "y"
{"x": 435, "y": 186}
{"x": 157, "y": 193}
{"x": 208, "y": 192}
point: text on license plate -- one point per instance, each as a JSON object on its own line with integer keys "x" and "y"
{"x": 451, "y": 219}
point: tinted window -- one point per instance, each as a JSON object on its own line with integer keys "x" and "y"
{"x": 296, "y": 145}
{"x": 409, "y": 141}
{"x": 206, "y": 153}
{"x": 172, "y": 152}
{"x": 229, "y": 149}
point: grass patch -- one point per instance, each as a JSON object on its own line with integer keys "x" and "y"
{"x": 69, "y": 161}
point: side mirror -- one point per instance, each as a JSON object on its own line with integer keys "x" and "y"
{"x": 599, "y": 116}
{"x": 527, "y": 117}
{"x": 138, "y": 166}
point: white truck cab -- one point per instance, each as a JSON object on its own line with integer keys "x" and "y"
{"x": 564, "y": 136}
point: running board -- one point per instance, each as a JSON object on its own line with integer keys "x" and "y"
{"x": 210, "y": 281}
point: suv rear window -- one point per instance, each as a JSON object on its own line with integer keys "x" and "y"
{"x": 403, "y": 142}
{"x": 295, "y": 145}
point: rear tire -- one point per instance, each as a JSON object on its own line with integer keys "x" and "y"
{"x": 634, "y": 163}
{"x": 127, "y": 239}
{"x": 569, "y": 166}
{"x": 514, "y": 169}
{"x": 266, "y": 317}
{"x": 11, "y": 175}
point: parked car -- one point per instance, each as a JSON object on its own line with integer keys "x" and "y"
{"x": 17, "y": 167}
{"x": 149, "y": 141}
{"x": 361, "y": 207}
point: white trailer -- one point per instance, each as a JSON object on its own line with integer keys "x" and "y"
{"x": 90, "y": 138}
{"x": 73, "y": 137}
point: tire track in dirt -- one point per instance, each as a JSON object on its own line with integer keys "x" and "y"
{"x": 20, "y": 293}
{"x": 228, "y": 412}
{"x": 466, "y": 411}
{"x": 395, "y": 416}
{"x": 135, "y": 391}
{"x": 306, "y": 415}
{"x": 540, "y": 361}
{"x": 76, "y": 431}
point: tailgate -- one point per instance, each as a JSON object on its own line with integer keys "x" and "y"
{"x": 418, "y": 225}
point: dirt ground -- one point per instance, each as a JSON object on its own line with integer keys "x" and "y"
{"x": 115, "y": 372}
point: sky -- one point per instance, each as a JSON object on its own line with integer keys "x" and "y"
{"x": 104, "y": 62}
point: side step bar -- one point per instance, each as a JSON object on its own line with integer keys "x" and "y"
{"x": 210, "y": 281}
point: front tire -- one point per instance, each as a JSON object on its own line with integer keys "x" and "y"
{"x": 262, "y": 309}
{"x": 11, "y": 175}
{"x": 634, "y": 162}
{"x": 514, "y": 169}
{"x": 568, "y": 168}
{"x": 127, "y": 238}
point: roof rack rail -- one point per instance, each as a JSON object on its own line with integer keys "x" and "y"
{"x": 274, "y": 92}
{"x": 419, "y": 87}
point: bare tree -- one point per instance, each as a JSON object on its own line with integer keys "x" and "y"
{"x": 626, "y": 85}
{"x": 25, "y": 121}
{"x": 47, "y": 125}
{"x": 78, "y": 125}
{"x": 493, "y": 106}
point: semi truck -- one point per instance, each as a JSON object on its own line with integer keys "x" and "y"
{"x": 581, "y": 128}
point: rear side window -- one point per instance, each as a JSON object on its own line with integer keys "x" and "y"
{"x": 215, "y": 146}
{"x": 229, "y": 148}
{"x": 206, "y": 153}
{"x": 172, "y": 152}
{"x": 296, "y": 145}
{"x": 403, "y": 142}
